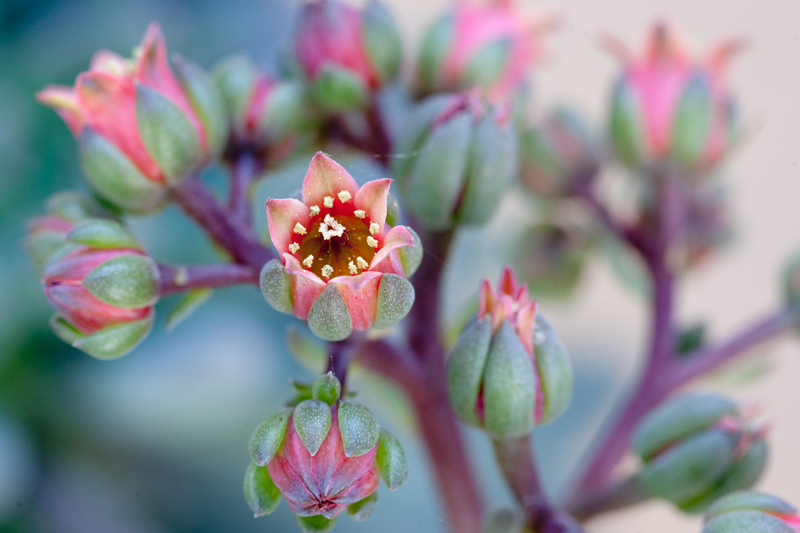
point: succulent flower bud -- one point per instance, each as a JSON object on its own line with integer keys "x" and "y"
{"x": 463, "y": 156}
{"x": 508, "y": 371}
{"x": 46, "y": 238}
{"x": 323, "y": 458}
{"x": 341, "y": 266}
{"x": 557, "y": 152}
{"x": 266, "y": 113}
{"x": 668, "y": 106}
{"x": 346, "y": 53}
{"x": 751, "y": 511}
{"x": 139, "y": 125}
{"x": 103, "y": 289}
{"x": 697, "y": 448}
{"x": 487, "y": 44}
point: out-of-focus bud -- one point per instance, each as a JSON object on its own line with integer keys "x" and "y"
{"x": 485, "y": 43}
{"x": 346, "y": 53}
{"x": 697, "y": 448}
{"x": 266, "y": 113}
{"x": 670, "y": 107}
{"x": 508, "y": 371}
{"x": 323, "y": 457}
{"x": 342, "y": 268}
{"x": 550, "y": 257}
{"x": 103, "y": 290}
{"x": 556, "y": 153}
{"x": 748, "y": 511}
{"x": 139, "y": 125}
{"x": 46, "y": 238}
{"x": 463, "y": 156}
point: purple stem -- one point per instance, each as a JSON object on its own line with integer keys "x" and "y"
{"x": 176, "y": 279}
{"x": 245, "y": 169}
{"x": 227, "y": 231}
{"x": 617, "y": 496}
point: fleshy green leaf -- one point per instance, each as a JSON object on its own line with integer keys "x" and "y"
{"x": 312, "y": 421}
{"x": 328, "y": 317}
{"x": 206, "y": 101}
{"x": 433, "y": 49}
{"x": 276, "y": 286}
{"x": 411, "y": 256}
{"x": 103, "y": 233}
{"x": 358, "y": 428}
{"x": 487, "y": 64}
{"x": 691, "y": 125}
{"x": 381, "y": 39}
{"x": 115, "y": 341}
{"x": 261, "y": 493}
{"x": 466, "y": 367}
{"x": 315, "y": 524}
{"x": 268, "y": 437}
{"x": 395, "y": 298}
{"x": 555, "y": 369}
{"x": 129, "y": 281}
{"x": 391, "y": 460}
{"x": 362, "y": 509}
{"x": 188, "y": 304}
{"x": 627, "y": 135}
{"x": 327, "y": 389}
{"x": 336, "y": 89}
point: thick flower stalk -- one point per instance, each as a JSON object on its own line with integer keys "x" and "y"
{"x": 697, "y": 448}
{"x": 103, "y": 289}
{"x": 344, "y": 53}
{"x": 481, "y": 43}
{"x": 343, "y": 267}
{"x": 508, "y": 371}
{"x": 139, "y": 126}
{"x": 323, "y": 456}
{"x": 670, "y": 106}
{"x": 751, "y": 511}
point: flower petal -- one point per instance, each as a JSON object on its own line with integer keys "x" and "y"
{"x": 486, "y": 299}
{"x": 282, "y": 215}
{"x": 306, "y": 286}
{"x": 65, "y": 103}
{"x": 108, "y": 62}
{"x": 360, "y": 295}
{"x": 397, "y": 237}
{"x": 326, "y": 177}
{"x": 526, "y": 318}
{"x": 372, "y": 197}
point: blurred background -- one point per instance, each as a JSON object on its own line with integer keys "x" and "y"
{"x": 157, "y": 441}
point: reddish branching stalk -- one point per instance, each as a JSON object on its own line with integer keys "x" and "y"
{"x": 176, "y": 279}
{"x": 244, "y": 171}
{"x": 610, "y": 498}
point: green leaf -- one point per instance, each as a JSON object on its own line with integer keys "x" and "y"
{"x": 411, "y": 256}
{"x": 336, "y": 90}
{"x": 235, "y": 76}
{"x": 103, "y": 233}
{"x": 391, "y": 460}
{"x": 487, "y": 64}
{"x": 381, "y": 39}
{"x": 412, "y": 136}
{"x": 261, "y": 493}
{"x": 268, "y": 437}
{"x": 115, "y": 341}
{"x": 186, "y": 306}
{"x": 435, "y": 46}
{"x": 312, "y": 421}
{"x": 167, "y": 133}
{"x": 315, "y": 524}
{"x": 358, "y": 428}
{"x": 466, "y": 367}
{"x": 627, "y": 135}
{"x": 276, "y": 286}
{"x": 555, "y": 369}
{"x": 747, "y": 522}
{"x": 128, "y": 281}
{"x": 326, "y": 389}
{"x": 691, "y": 125}
{"x": 206, "y": 101}
{"x": 741, "y": 501}
{"x": 362, "y": 509}
{"x": 395, "y": 298}
{"x": 328, "y": 317}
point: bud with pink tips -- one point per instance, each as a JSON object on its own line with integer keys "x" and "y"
{"x": 343, "y": 267}
{"x": 670, "y": 107}
{"x": 751, "y": 511}
{"x": 103, "y": 289}
{"x": 345, "y": 53}
{"x": 508, "y": 371}
{"x": 483, "y": 43}
{"x": 139, "y": 125}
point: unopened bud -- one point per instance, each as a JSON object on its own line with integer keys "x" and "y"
{"x": 751, "y": 511}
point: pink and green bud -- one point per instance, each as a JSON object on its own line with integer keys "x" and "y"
{"x": 266, "y": 113}
{"x": 139, "y": 125}
{"x": 343, "y": 268}
{"x": 346, "y": 53}
{"x": 668, "y": 107}
{"x": 481, "y": 43}
{"x": 556, "y": 153}
{"x": 508, "y": 371}
{"x": 322, "y": 458}
{"x": 46, "y": 235}
{"x": 697, "y": 448}
{"x": 748, "y": 511}
{"x": 103, "y": 290}
{"x": 464, "y": 156}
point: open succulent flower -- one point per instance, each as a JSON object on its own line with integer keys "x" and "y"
{"x": 103, "y": 289}
{"x": 483, "y": 43}
{"x": 697, "y": 448}
{"x": 508, "y": 371}
{"x": 323, "y": 456}
{"x": 751, "y": 511}
{"x": 668, "y": 105}
{"x": 342, "y": 267}
{"x": 139, "y": 125}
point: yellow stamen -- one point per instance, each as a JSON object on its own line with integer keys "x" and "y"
{"x": 299, "y": 229}
{"x": 328, "y": 201}
{"x": 294, "y": 247}
{"x": 372, "y": 242}
{"x": 362, "y": 264}
{"x": 330, "y": 227}
{"x": 344, "y": 196}
{"x": 360, "y": 213}
{"x": 327, "y": 270}
{"x": 374, "y": 228}
{"x": 314, "y": 210}
{"x": 308, "y": 261}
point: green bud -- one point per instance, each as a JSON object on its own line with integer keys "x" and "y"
{"x": 312, "y": 421}
{"x": 128, "y": 281}
{"x": 750, "y": 500}
{"x": 327, "y": 389}
{"x": 167, "y": 133}
{"x": 115, "y": 177}
{"x": 358, "y": 428}
{"x": 336, "y": 89}
{"x": 626, "y": 133}
{"x": 315, "y": 524}
{"x": 261, "y": 493}
{"x": 108, "y": 343}
{"x": 328, "y": 317}
{"x": 487, "y": 64}
{"x": 283, "y": 114}
{"x": 434, "y": 47}
{"x": 103, "y": 233}
{"x": 414, "y": 133}
{"x": 395, "y": 298}
{"x": 391, "y": 460}
{"x": 747, "y": 522}
{"x": 207, "y": 102}
{"x": 362, "y": 509}
{"x": 691, "y": 124}
{"x": 276, "y": 286}
{"x": 381, "y": 39}
{"x": 555, "y": 370}
{"x": 745, "y": 512}
{"x": 268, "y": 437}
{"x": 466, "y": 368}
{"x": 411, "y": 256}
